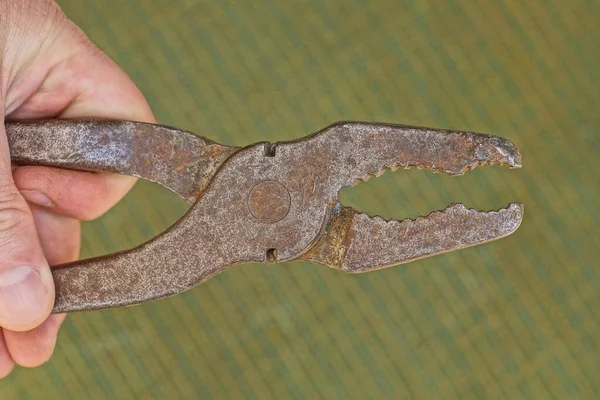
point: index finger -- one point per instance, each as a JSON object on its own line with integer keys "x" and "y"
{"x": 89, "y": 84}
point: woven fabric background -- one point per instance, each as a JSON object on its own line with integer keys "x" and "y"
{"x": 513, "y": 319}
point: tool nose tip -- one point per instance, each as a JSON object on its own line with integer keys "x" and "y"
{"x": 500, "y": 151}
{"x": 511, "y": 154}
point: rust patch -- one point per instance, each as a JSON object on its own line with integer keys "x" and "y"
{"x": 331, "y": 248}
{"x": 269, "y": 201}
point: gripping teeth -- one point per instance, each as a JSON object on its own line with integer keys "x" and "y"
{"x": 454, "y": 209}
{"x": 377, "y": 174}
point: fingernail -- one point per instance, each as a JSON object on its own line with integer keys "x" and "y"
{"x": 35, "y": 197}
{"x": 23, "y": 295}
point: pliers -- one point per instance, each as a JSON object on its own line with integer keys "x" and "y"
{"x": 266, "y": 202}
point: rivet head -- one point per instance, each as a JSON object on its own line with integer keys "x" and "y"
{"x": 269, "y": 201}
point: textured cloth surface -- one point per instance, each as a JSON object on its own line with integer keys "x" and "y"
{"x": 514, "y": 319}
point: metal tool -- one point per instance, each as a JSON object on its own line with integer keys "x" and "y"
{"x": 268, "y": 202}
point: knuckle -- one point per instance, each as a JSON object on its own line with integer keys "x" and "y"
{"x": 14, "y": 212}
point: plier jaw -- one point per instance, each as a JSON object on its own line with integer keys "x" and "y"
{"x": 355, "y": 242}
{"x": 262, "y": 203}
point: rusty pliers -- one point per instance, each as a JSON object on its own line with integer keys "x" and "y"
{"x": 267, "y": 202}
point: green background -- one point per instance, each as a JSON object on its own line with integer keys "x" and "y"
{"x": 516, "y": 318}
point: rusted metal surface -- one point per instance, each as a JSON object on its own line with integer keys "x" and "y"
{"x": 359, "y": 243}
{"x": 175, "y": 159}
{"x": 263, "y": 203}
{"x": 269, "y": 201}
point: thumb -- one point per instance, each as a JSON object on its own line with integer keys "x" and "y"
{"x": 26, "y": 284}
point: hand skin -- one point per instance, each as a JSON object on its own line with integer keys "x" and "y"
{"x": 49, "y": 68}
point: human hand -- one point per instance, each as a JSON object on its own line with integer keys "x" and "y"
{"x": 49, "y": 68}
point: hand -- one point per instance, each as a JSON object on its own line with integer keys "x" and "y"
{"x": 48, "y": 68}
